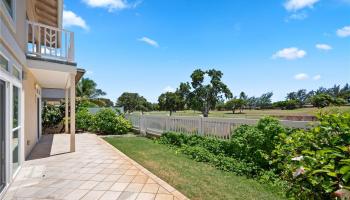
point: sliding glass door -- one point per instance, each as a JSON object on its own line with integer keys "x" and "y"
{"x": 2, "y": 135}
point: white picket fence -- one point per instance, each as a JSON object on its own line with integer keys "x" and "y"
{"x": 214, "y": 127}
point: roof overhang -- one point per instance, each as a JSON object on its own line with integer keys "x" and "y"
{"x": 80, "y": 74}
{"x": 48, "y": 12}
{"x": 51, "y": 74}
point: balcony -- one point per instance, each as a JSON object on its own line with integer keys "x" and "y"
{"x": 49, "y": 43}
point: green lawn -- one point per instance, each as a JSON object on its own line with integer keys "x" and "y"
{"x": 195, "y": 180}
{"x": 257, "y": 113}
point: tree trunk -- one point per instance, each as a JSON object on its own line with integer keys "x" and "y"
{"x": 171, "y": 112}
{"x": 205, "y": 111}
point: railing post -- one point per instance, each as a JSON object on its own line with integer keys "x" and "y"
{"x": 27, "y": 36}
{"x": 71, "y": 47}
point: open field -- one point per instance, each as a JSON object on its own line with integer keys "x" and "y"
{"x": 254, "y": 114}
{"x": 195, "y": 180}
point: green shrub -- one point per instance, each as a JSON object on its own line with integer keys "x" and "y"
{"x": 321, "y": 100}
{"x": 310, "y": 164}
{"x": 106, "y": 121}
{"x": 122, "y": 126}
{"x": 286, "y": 105}
{"x": 52, "y": 115}
{"x": 83, "y": 119}
{"x": 317, "y": 161}
{"x": 254, "y": 144}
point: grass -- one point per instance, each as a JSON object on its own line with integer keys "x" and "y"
{"x": 255, "y": 114}
{"x": 195, "y": 180}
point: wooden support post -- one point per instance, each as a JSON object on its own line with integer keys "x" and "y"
{"x": 72, "y": 113}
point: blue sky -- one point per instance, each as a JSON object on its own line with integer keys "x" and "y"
{"x": 150, "y": 46}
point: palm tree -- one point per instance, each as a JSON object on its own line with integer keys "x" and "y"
{"x": 86, "y": 88}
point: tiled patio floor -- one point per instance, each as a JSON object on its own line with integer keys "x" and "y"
{"x": 95, "y": 171}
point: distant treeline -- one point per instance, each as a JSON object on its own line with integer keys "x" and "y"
{"x": 205, "y": 95}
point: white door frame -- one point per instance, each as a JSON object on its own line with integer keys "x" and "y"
{"x": 10, "y": 82}
{"x": 39, "y": 115}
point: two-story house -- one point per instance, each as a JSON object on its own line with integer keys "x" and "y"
{"x": 36, "y": 57}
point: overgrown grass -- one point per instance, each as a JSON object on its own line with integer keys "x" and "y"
{"x": 195, "y": 180}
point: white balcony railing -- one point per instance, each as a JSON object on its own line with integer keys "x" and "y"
{"x": 49, "y": 42}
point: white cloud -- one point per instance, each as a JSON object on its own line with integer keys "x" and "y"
{"x": 317, "y": 77}
{"x": 295, "y": 5}
{"x": 71, "y": 19}
{"x": 344, "y": 32}
{"x": 289, "y": 53}
{"x": 111, "y": 5}
{"x": 301, "y": 76}
{"x": 324, "y": 47}
{"x": 149, "y": 41}
{"x": 298, "y": 16}
{"x": 169, "y": 89}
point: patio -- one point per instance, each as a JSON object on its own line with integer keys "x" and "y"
{"x": 95, "y": 171}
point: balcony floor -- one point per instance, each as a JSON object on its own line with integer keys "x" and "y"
{"x": 95, "y": 171}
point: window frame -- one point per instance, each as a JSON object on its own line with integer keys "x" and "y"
{"x": 8, "y": 62}
{"x": 10, "y": 18}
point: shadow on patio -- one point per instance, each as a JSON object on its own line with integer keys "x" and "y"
{"x": 45, "y": 148}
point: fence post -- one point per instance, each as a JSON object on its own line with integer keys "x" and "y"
{"x": 167, "y": 123}
{"x": 200, "y": 128}
{"x": 143, "y": 125}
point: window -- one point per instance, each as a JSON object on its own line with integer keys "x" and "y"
{"x": 4, "y": 63}
{"x": 15, "y": 128}
{"x": 9, "y": 6}
{"x": 16, "y": 73}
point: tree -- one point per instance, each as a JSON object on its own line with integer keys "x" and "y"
{"x": 243, "y": 96}
{"x": 86, "y": 88}
{"x": 205, "y": 96}
{"x": 142, "y": 104}
{"x": 184, "y": 91}
{"x": 130, "y": 101}
{"x": 286, "y": 105}
{"x": 265, "y": 100}
{"x": 235, "y": 104}
{"x": 252, "y": 102}
{"x": 321, "y": 100}
{"x": 170, "y": 101}
{"x": 345, "y": 92}
{"x": 300, "y": 97}
{"x": 103, "y": 102}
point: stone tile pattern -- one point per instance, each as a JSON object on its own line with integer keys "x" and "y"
{"x": 95, "y": 171}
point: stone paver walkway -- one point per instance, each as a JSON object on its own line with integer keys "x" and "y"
{"x": 95, "y": 171}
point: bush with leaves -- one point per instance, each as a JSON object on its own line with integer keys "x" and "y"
{"x": 107, "y": 121}
{"x": 122, "y": 126}
{"x": 83, "y": 119}
{"x": 317, "y": 161}
{"x": 52, "y": 115}
{"x": 311, "y": 164}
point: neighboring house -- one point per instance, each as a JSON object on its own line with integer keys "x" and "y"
{"x": 36, "y": 54}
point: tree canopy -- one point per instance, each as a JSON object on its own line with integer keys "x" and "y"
{"x": 170, "y": 101}
{"x": 87, "y": 88}
{"x": 204, "y": 96}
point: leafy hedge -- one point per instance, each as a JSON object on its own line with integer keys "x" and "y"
{"x": 105, "y": 121}
{"x": 309, "y": 164}
{"x": 52, "y": 115}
